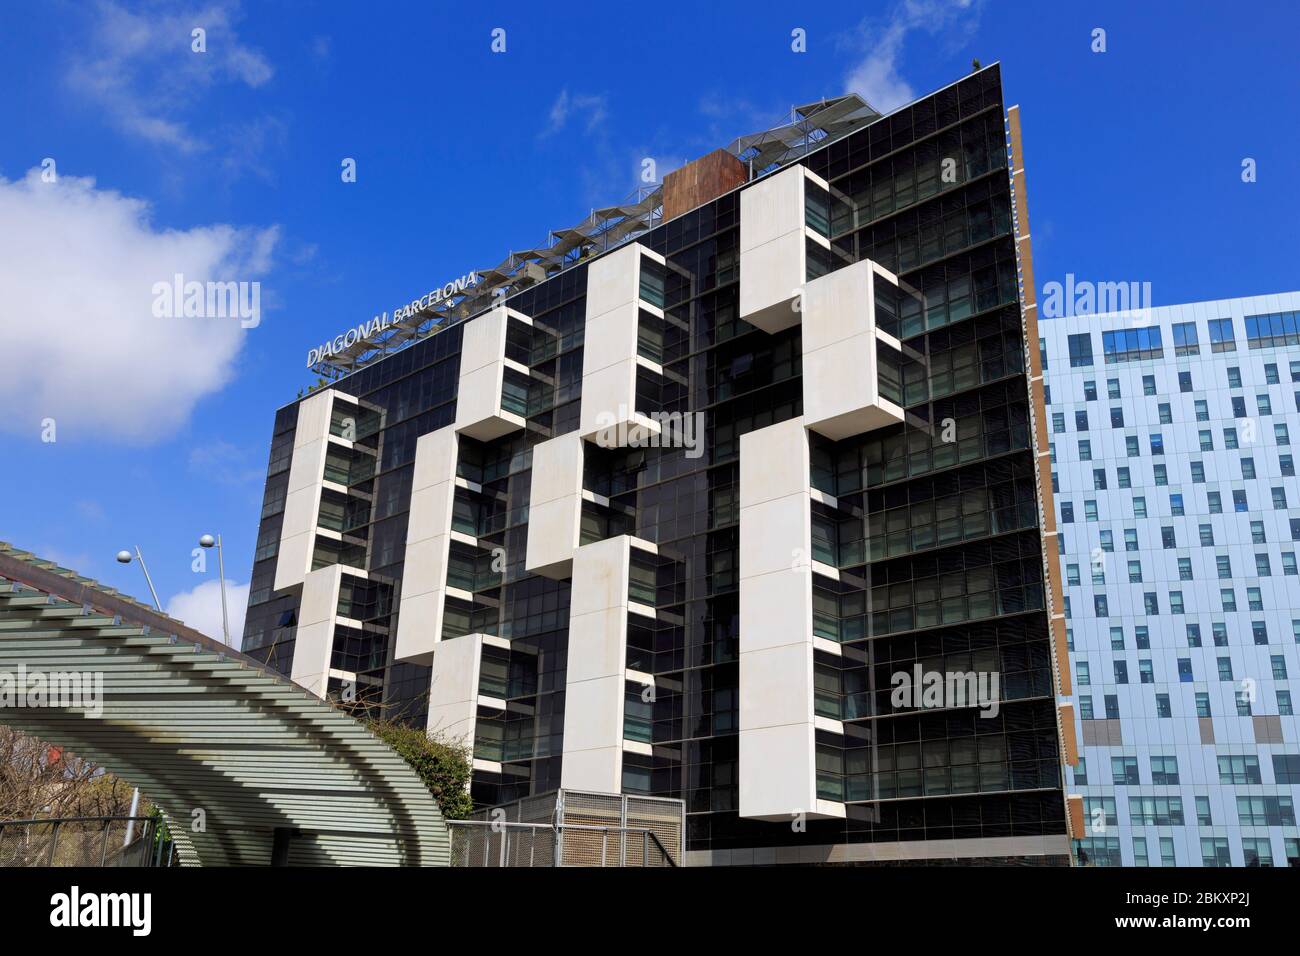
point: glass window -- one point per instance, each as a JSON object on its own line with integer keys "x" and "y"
{"x": 1164, "y": 771}
{"x": 1124, "y": 772}
{"x": 1214, "y": 852}
{"x": 1080, "y": 348}
{"x": 1273, "y": 330}
{"x": 1203, "y": 817}
{"x": 1221, "y": 336}
{"x": 1132, "y": 345}
{"x": 1185, "y": 342}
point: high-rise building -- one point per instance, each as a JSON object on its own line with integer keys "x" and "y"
{"x": 734, "y": 493}
{"x": 1179, "y": 520}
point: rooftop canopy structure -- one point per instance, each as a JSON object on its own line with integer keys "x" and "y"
{"x": 808, "y": 127}
{"x": 247, "y": 767}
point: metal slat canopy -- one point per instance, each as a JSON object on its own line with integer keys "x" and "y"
{"x": 807, "y": 127}
{"x": 230, "y": 752}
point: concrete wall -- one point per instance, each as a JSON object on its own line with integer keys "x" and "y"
{"x": 428, "y": 543}
{"x": 773, "y": 251}
{"x": 314, "y": 645}
{"x": 302, "y": 501}
{"x": 555, "y": 506}
{"x": 453, "y": 688}
{"x": 778, "y": 774}
{"x": 597, "y": 665}
{"x": 609, "y": 356}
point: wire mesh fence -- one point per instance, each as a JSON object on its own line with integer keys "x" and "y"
{"x": 496, "y": 843}
{"x": 586, "y": 829}
{"x": 79, "y": 841}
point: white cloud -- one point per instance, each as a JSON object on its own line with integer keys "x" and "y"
{"x": 876, "y": 77}
{"x": 200, "y": 608}
{"x": 567, "y": 106}
{"x": 141, "y": 71}
{"x": 80, "y": 342}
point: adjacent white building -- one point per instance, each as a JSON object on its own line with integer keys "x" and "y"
{"x": 1179, "y": 516}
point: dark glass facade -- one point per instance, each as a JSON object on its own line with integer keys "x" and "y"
{"x": 936, "y": 541}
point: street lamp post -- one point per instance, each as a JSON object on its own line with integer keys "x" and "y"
{"x": 124, "y": 557}
{"x": 206, "y": 542}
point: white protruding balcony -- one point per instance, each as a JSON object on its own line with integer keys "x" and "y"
{"x": 555, "y": 506}
{"x": 842, "y": 350}
{"x": 311, "y": 441}
{"x": 778, "y": 723}
{"x": 621, "y": 294}
{"x": 596, "y": 674}
{"x": 428, "y": 545}
{"x": 488, "y": 399}
{"x": 774, "y": 241}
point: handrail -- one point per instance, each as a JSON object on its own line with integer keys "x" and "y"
{"x": 11, "y": 823}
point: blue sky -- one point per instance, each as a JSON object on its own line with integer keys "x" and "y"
{"x": 228, "y": 161}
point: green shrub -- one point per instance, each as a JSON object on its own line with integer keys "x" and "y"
{"x": 442, "y": 765}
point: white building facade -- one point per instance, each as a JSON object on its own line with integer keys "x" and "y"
{"x": 1179, "y": 515}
